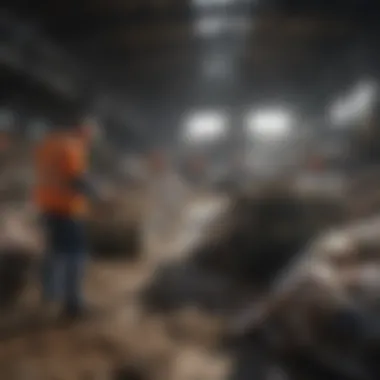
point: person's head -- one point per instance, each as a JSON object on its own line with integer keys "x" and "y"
{"x": 87, "y": 129}
{"x": 75, "y": 124}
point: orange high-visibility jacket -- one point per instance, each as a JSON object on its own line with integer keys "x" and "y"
{"x": 60, "y": 160}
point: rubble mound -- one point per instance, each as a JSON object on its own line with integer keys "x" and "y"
{"x": 17, "y": 173}
{"x": 322, "y": 313}
{"x": 20, "y": 247}
{"x": 110, "y": 239}
{"x": 244, "y": 250}
{"x": 128, "y": 372}
{"x": 264, "y": 230}
{"x": 16, "y": 270}
{"x": 115, "y": 227}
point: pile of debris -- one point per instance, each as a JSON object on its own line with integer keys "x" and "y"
{"x": 301, "y": 290}
{"x": 115, "y": 226}
{"x": 264, "y": 230}
{"x": 16, "y": 173}
{"x": 320, "y": 319}
{"x": 245, "y": 248}
{"x": 21, "y": 245}
{"x": 363, "y": 195}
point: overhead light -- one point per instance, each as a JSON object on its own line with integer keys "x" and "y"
{"x": 215, "y": 25}
{"x": 203, "y": 3}
{"x": 205, "y": 126}
{"x": 269, "y": 124}
{"x": 355, "y": 105}
{"x": 209, "y": 26}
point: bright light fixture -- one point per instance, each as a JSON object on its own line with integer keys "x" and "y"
{"x": 209, "y": 26}
{"x": 356, "y": 105}
{"x": 212, "y": 26}
{"x": 269, "y": 124}
{"x": 205, "y": 126}
{"x": 203, "y": 3}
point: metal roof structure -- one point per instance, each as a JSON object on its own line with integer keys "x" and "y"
{"x": 157, "y": 59}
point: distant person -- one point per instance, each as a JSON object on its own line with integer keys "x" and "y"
{"x": 61, "y": 195}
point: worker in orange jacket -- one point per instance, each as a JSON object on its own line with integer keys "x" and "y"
{"x": 61, "y": 194}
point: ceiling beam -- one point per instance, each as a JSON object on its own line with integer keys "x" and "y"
{"x": 25, "y": 50}
{"x": 160, "y": 34}
{"x": 258, "y": 53}
{"x": 105, "y": 14}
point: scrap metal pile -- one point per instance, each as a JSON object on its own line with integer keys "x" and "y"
{"x": 297, "y": 287}
{"x": 299, "y": 290}
{"x": 244, "y": 248}
{"x": 320, "y": 318}
{"x": 115, "y": 225}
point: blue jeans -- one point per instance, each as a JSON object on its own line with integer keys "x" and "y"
{"x": 64, "y": 262}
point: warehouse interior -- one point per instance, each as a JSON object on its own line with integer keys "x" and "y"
{"x": 237, "y": 153}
